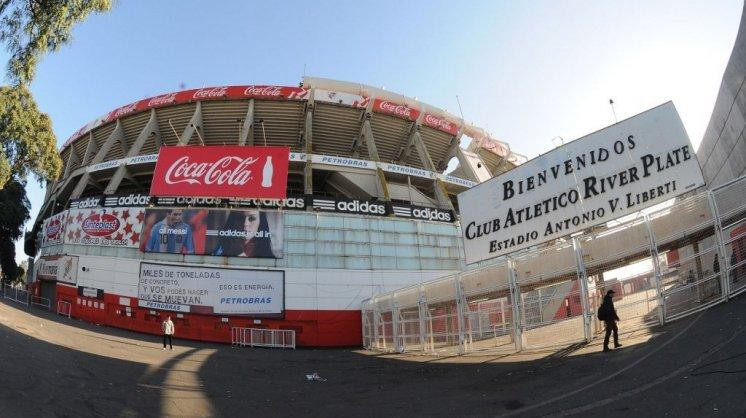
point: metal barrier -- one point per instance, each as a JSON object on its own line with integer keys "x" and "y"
{"x": 41, "y": 302}
{"x": 64, "y": 308}
{"x": 16, "y": 294}
{"x": 260, "y": 337}
{"x": 665, "y": 263}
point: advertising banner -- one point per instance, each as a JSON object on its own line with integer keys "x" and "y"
{"x": 230, "y": 233}
{"x": 53, "y": 230}
{"x": 440, "y": 124}
{"x": 631, "y": 165}
{"x": 221, "y": 171}
{"x": 209, "y": 290}
{"x": 112, "y": 227}
{"x": 337, "y": 97}
{"x": 62, "y": 268}
{"x": 193, "y": 95}
{"x": 395, "y": 109}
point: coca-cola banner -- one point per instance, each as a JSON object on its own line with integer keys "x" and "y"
{"x": 53, "y": 230}
{"x": 440, "y": 124}
{"x": 113, "y": 227}
{"x": 220, "y": 232}
{"x": 395, "y": 109}
{"x": 222, "y": 171}
{"x": 193, "y": 95}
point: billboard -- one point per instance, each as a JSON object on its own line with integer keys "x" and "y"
{"x": 61, "y": 268}
{"x": 631, "y": 165}
{"x": 53, "y": 230}
{"x": 221, "y": 171}
{"x": 230, "y": 233}
{"x": 113, "y": 227}
{"x": 208, "y": 290}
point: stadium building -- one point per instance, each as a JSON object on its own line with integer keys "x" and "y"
{"x": 367, "y": 208}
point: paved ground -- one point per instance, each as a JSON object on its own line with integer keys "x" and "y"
{"x": 54, "y": 366}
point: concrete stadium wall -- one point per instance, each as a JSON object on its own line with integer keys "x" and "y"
{"x": 722, "y": 152}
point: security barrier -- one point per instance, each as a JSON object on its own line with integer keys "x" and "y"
{"x": 64, "y": 308}
{"x": 665, "y": 263}
{"x": 41, "y": 302}
{"x": 16, "y": 294}
{"x": 260, "y": 337}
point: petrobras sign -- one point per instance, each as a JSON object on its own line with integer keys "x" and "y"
{"x": 211, "y": 290}
{"x": 459, "y": 181}
{"x": 104, "y": 166}
{"x": 629, "y": 166}
{"x": 343, "y": 162}
{"x": 142, "y": 159}
{"x": 358, "y": 207}
{"x": 221, "y": 171}
{"x": 409, "y": 171}
{"x": 423, "y": 213}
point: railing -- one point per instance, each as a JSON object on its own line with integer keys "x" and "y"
{"x": 41, "y": 302}
{"x": 64, "y": 308}
{"x": 16, "y": 294}
{"x": 669, "y": 262}
{"x": 260, "y": 337}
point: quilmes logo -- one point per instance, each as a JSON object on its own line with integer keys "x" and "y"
{"x": 356, "y": 206}
{"x": 432, "y": 214}
{"x": 100, "y": 225}
{"x": 53, "y": 228}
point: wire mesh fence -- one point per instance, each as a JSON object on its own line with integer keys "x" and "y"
{"x": 673, "y": 260}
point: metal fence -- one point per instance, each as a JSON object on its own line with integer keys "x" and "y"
{"x": 666, "y": 263}
{"x": 261, "y": 337}
{"x": 16, "y": 294}
{"x": 64, "y": 308}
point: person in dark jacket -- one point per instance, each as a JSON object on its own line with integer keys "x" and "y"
{"x": 610, "y": 318}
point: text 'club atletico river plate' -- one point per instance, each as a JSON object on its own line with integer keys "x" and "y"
{"x": 221, "y": 171}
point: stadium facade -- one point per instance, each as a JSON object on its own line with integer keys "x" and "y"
{"x": 367, "y": 209}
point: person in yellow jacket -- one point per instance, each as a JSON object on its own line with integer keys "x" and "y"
{"x": 168, "y": 332}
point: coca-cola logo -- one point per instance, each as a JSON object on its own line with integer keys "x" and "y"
{"x": 100, "y": 225}
{"x": 161, "y": 100}
{"x": 438, "y": 123}
{"x": 210, "y": 93}
{"x": 263, "y": 91}
{"x": 124, "y": 110}
{"x": 53, "y": 228}
{"x": 230, "y": 170}
{"x": 396, "y": 109}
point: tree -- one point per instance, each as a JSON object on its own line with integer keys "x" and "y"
{"x": 30, "y": 29}
{"x": 14, "y": 212}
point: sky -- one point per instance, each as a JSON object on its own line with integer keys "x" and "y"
{"x": 527, "y": 72}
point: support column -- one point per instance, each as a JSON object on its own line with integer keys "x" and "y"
{"x": 90, "y": 149}
{"x": 195, "y": 123}
{"x": 308, "y": 149}
{"x": 583, "y": 286}
{"x": 441, "y": 194}
{"x": 247, "y": 129}
{"x": 116, "y": 135}
{"x": 461, "y": 312}
{"x": 395, "y": 331}
{"x": 422, "y": 313}
{"x": 366, "y": 133}
{"x": 515, "y": 294}
{"x": 149, "y": 131}
{"x": 657, "y": 269}
{"x": 454, "y": 145}
{"x": 724, "y": 261}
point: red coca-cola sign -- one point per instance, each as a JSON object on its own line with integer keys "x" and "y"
{"x": 395, "y": 109}
{"x": 100, "y": 225}
{"x": 440, "y": 124}
{"x": 222, "y": 171}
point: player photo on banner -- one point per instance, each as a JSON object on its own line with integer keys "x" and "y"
{"x": 229, "y": 233}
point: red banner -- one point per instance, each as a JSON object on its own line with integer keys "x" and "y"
{"x": 194, "y": 95}
{"x": 395, "y": 109}
{"x": 221, "y": 171}
{"x": 440, "y": 124}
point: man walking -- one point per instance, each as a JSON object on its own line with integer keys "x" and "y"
{"x": 607, "y": 313}
{"x": 168, "y": 332}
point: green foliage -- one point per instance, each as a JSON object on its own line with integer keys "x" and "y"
{"x": 14, "y": 212}
{"x": 27, "y": 142}
{"x": 31, "y": 28}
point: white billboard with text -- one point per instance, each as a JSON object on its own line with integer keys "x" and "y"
{"x": 631, "y": 165}
{"x": 209, "y": 290}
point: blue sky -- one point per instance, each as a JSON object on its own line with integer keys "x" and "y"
{"x": 526, "y": 71}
